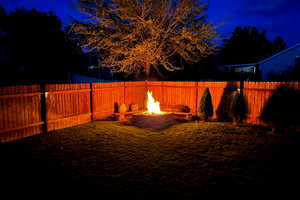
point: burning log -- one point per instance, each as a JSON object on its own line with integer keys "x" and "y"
{"x": 177, "y": 108}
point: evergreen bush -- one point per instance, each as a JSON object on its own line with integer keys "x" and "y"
{"x": 238, "y": 108}
{"x": 205, "y": 107}
{"x": 282, "y": 109}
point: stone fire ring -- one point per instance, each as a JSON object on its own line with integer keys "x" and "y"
{"x": 153, "y": 122}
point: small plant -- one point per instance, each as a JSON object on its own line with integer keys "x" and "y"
{"x": 238, "y": 108}
{"x": 205, "y": 108}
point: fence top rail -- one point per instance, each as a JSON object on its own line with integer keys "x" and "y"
{"x": 68, "y": 91}
{"x": 20, "y": 95}
{"x": 107, "y": 85}
{"x": 66, "y": 87}
{"x": 19, "y": 89}
{"x": 270, "y": 85}
{"x": 23, "y": 89}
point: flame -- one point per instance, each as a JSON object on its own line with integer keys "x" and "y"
{"x": 153, "y": 106}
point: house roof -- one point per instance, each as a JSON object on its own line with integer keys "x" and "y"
{"x": 267, "y": 59}
{"x": 242, "y": 65}
{"x": 280, "y": 53}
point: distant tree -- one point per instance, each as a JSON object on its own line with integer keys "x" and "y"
{"x": 136, "y": 35}
{"x": 2, "y": 15}
{"x": 247, "y": 45}
{"x": 3, "y": 44}
{"x": 279, "y": 44}
{"x": 205, "y": 69}
{"x": 37, "y": 45}
{"x": 205, "y": 107}
{"x": 3, "y": 27}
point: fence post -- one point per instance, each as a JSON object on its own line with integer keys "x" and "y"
{"x": 91, "y": 101}
{"x": 242, "y": 87}
{"x": 146, "y": 89}
{"x": 196, "y": 103}
{"x": 44, "y": 108}
{"x": 124, "y": 89}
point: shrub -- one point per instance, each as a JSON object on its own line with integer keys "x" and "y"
{"x": 223, "y": 110}
{"x": 205, "y": 107}
{"x": 282, "y": 109}
{"x": 238, "y": 107}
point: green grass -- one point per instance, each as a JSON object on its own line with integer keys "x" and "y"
{"x": 183, "y": 160}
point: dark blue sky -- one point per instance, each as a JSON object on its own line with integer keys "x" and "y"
{"x": 278, "y": 17}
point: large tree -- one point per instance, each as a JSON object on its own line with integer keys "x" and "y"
{"x": 135, "y": 35}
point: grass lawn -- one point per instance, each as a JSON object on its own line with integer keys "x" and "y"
{"x": 183, "y": 160}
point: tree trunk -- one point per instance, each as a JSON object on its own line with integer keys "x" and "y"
{"x": 157, "y": 70}
{"x": 147, "y": 69}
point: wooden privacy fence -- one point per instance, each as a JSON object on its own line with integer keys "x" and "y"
{"x": 67, "y": 105}
{"x": 257, "y": 95}
{"x": 189, "y": 93}
{"x": 30, "y": 110}
{"x": 107, "y": 97}
{"x": 20, "y": 114}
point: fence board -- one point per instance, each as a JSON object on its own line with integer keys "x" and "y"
{"x": 67, "y": 105}
{"x": 257, "y": 95}
{"x": 19, "y": 112}
{"x": 106, "y": 97}
{"x": 135, "y": 93}
{"x": 179, "y": 93}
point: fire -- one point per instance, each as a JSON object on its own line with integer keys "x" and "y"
{"x": 153, "y": 106}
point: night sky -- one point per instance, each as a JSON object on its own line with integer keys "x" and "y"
{"x": 278, "y": 17}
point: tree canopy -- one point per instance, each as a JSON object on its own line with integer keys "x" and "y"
{"x": 34, "y": 47}
{"x": 248, "y": 44}
{"x": 135, "y": 35}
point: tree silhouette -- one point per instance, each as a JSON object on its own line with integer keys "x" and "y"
{"x": 134, "y": 35}
{"x": 2, "y": 15}
{"x": 279, "y": 44}
{"x": 37, "y": 48}
{"x": 247, "y": 45}
{"x": 3, "y": 37}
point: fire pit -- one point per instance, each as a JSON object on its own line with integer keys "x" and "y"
{"x": 153, "y": 118}
{"x": 153, "y": 122}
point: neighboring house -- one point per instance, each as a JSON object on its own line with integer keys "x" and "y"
{"x": 276, "y": 64}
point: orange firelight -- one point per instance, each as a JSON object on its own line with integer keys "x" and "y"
{"x": 153, "y": 107}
